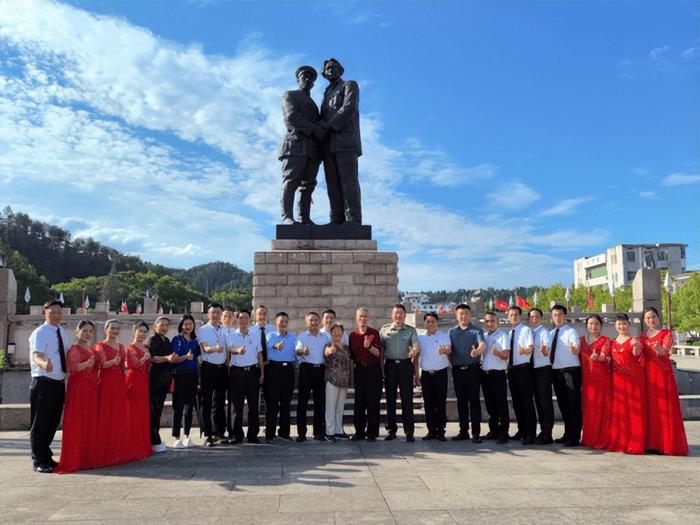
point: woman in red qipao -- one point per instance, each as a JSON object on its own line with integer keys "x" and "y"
{"x": 628, "y": 410}
{"x": 665, "y": 432}
{"x": 138, "y": 415}
{"x": 112, "y": 431}
{"x": 80, "y": 416}
{"x": 596, "y": 384}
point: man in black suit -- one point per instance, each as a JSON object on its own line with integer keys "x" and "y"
{"x": 298, "y": 151}
{"x": 340, "y": 123}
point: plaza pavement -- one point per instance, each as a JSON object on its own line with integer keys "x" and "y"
{"x": 347, "y": 483}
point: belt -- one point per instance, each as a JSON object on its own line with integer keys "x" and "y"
{"x": 467, "y": 367}
{"x": 522, "y": 365}
{"x": 433, "y": 372}
{"x": 222, "y": 365}
{"x": 244, "y": 368}
{"x": 398, "y": 361}
{"x": 313, "y": 364}
{"x": 281, "y": 363}
{"x": 495, "y": 371}
{"x": 567, "y": 369}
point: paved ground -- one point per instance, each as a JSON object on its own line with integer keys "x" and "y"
{"x": 347, "y": 483}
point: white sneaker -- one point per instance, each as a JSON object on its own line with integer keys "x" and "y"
{"x": 159, "y": 448}
{"x": 187, "y": 442}
{"x": 178, "y": 444}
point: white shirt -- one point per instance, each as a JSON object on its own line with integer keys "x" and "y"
{"x": 251, "y": 342}
{"x": 255, "y": 329}
{"x": 210, "y": 336}
{"x": 345, "y": 336}
{"x": 500, "y": 340}
{"x": 317, "y": 344}
{"x": 563, "y": 358}
{"x": 540, "y": 337}
{"x": 430, "y": 359}
{"x": 523, "y": 337}
{"x": 44, "y": 340}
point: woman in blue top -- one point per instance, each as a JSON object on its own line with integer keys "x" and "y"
{"x": 186, "y": 348}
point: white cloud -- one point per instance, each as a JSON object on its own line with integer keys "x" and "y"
{"x": 566, "y": 207}
{"x": 648, "y": 195}
{"x": 680, "y": 179}
{"x": 641, "y": 171}
{"x": 689, "y": 53}
{"x": 512, "y": 196}
{"x": 658, "y": 52}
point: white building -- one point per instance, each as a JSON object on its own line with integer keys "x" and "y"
{"x": 620, "y": 263}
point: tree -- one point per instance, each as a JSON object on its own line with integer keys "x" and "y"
{"x": 686, "y": 306}
{"x": 26, "y": 276}
{"x": 233, "y": 298}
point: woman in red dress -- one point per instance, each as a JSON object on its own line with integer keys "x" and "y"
{"x": 596, "y": 384}
{"x": 628, "y": 410}
{"x": 112, "y": 431}
{"x": 138, "y": 362}
{"x": 666, "y": 433}
{"x": 80, "y": 416}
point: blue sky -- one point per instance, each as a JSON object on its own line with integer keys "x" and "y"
{"x": 501, "y": 139}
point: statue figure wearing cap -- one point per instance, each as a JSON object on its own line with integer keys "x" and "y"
{"x": 340, "y": 131}
{"x": 299, "y": 151}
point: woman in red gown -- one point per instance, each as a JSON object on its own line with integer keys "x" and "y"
{"x": 666, "y": 433}
{"x": 596, "y": 384}
{"x": 80, "y": 416}
{"x": 112, "y": 429}
{"x": 628, "y": 410}
{"x": 138, "y": 362}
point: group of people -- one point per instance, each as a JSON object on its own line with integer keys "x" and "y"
{"x": 618, "y": 395}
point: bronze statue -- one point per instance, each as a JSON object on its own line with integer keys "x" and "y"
{"x": 299, "y": 151}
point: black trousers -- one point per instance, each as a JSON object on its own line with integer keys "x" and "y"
{"x": 493, "y": 383}
{"x": 46, "y": 398}
{"x": 522, "y": 392}
{"x": 298, "y": 172}
{"x": 368, "y": 395}
{"x": 279, "y": 389}
{"x": 244, "y": 385}
{"x": 567, "y": 387}
{"x": 434, "y": 386}
{"x": 214, "y": 386}
{"x": 343, "y": 186}
{"x": 184, "y": 399}
{"x": 543, "y": 399}
{"x": 158, "y": 387}
{"x": 399, "y": 374}
{"x": 312, "y": 382}
{"x": 467, "y": 383}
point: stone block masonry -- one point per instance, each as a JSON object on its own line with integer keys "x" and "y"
{"x": 298, "y": 276}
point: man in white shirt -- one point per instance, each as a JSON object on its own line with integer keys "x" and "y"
{"x": 566, "y": 375}
{"x": 214, "y": 376}
{"x": 48, "y": 345}
{"x": 261, "y": 328}
{"x": 310, "y": 347}
{"x": 245, "y": 377}
{"x": 435, "y": 347}
{"x": 520, "y": 377}
{"x": 493, "y": 384}
{"x": 542, "y": 370}
{"x": 327, "y": 320}
{"x": 228, "y": 327}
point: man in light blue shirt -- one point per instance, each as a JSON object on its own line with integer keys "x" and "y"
{"x": 279, "y": 371}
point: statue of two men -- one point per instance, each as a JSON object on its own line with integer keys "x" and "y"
{"x": 331, "y": 135}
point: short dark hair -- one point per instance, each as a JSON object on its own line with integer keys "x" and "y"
{"x": 140, "y": 324}
{"x": 490, "y": 312}
{"x": 622, "y": 317}
{"x": 535, "y": 310}
{"x": 328, "y": 311}
{"x": 594, "y": 316}
{"x": 215, "y": 305}
{"x": 261, "y": 306}
{"x": 337, "y": 325}
{"x": 244, "y": 311}
{"x": 187, "y": 317}
{"x": 463, "y": 306}
{"x": 400, "y": 306}
{"x": 516, "y": 309}
{"x": 311, "y": 312}
{"x": 48, "y": 304}
{"x": 431, "y": 314}
{"x": 281, "y": 314}
{"x": 560, "y": 308}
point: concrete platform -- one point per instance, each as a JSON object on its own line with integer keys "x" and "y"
{"x": 347, "y": 483}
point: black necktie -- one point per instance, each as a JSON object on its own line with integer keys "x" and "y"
{"x": 263, "y": 343}
{"x": 512, "y": 346}
{"x": 61, "y": 350}
{"x": 554, "y": 346}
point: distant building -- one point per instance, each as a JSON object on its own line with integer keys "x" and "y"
{"x": 621, "y": 263}
{"x": 419, "y": 301}
{"x": 680, "y": 280}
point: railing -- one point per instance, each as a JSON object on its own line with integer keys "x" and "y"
{"x": 686, "y": 350}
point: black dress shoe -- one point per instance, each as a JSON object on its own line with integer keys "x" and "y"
{"x": 490, "y": 435}
{"x": 502, "y": 441}
{"x": 357, "y": 437}
{"x": 371, "y": 439}
{"x": 441, "y": 437}
{"x": 544, "y": 440}
{"x": 390, "y": 436}
{"x": 254, "y": 441}
{"x": 301, "y": 439}
{"x": 285, "y": 438}
{"x": 560, "y": 440}
{"x": 428, "y": 437}
{"x": 410, "y": 439}
{"x": 476, "y": 439}
{"x": 517, "y": 435}
{"x": 460, "y": 437}
{"x": 209, "y": 442}
{"x": 529, "y": 441}
{"x": 571, "y": 443}
{"x": 43, "y": 469}
{"x": 342, "y": 435}
{"x": 320, "y": 437}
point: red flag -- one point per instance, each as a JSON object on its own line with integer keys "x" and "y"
{"x": 589, "y": 297}
{"x": 416, "y": 311}
{"x": 442, "y": 310}
{"x": 125, "y": 309}
{"x": 521, "y": 302}
{"x": 501, "y": 305}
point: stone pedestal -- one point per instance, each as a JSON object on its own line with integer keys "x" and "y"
{"x": 8, "y": 303}
{"x": 150, "y": 306}
{"x": 297, "y": 276}
{"x": 646, "y": 289}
